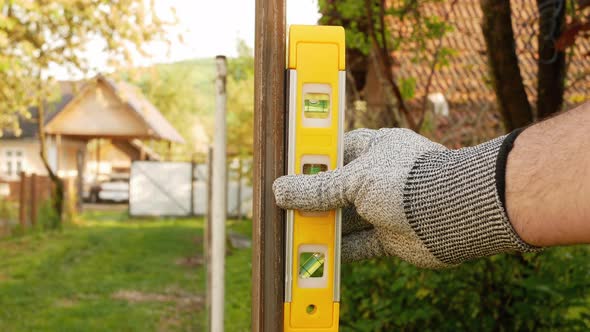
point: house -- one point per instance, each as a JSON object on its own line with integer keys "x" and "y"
{"x": 101, "y": 109}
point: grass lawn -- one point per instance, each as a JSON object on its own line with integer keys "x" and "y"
{"x": 112, "y": 273}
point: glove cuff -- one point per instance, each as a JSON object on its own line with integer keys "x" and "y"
{"x": 501, "y": 161}
{"x": 454, "y": 200}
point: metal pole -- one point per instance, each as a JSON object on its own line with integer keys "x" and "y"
{"x": 269, "y": 163}
{"x": 207, "y": 242}
{"x": 239, "y": 194}
{"x": 192, "y": 205}
{"x": 218, "y": 202}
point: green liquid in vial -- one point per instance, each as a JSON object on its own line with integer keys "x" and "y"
{"x": 314, "y": 168}
{"x": 316, "y": 105}
{"x": 311, "y": 265}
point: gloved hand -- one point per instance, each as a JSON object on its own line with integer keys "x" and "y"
{"x": 404, "y": 195}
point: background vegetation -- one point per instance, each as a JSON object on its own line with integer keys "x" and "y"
{"x": 112, "y": 273}
{"x": 545, "y": 291}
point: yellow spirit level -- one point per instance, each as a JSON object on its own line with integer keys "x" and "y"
{"x": 316, "y": 117}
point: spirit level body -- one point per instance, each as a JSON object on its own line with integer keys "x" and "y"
{"x": 316, "y": 83}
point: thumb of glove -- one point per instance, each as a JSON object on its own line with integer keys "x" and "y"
{"x": 319, "y": 192}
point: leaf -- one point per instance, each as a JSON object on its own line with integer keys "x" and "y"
{"x": 570, "y": 33}
{"x": 407, "y": 87}
{"x": 583, "y": 4}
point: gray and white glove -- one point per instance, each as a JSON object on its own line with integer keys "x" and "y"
{"x": 407, "y": 196}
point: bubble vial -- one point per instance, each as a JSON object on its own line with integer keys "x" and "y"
{"x": 316, "y": 105}
{"x": 311, "y": 265}
{"x": 314, "y": 168}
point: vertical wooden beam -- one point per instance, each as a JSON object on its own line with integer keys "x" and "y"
{"x": 269, "y": 149}
{"x": 58, "y": 152}
{"x": 80, "y": 163}
{"x": 22, "y": 204}
{"x": 34, "y": 198}
{"x": 97, "y": 159}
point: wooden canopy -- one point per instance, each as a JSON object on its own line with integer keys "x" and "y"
{"x": 115, "y": 110}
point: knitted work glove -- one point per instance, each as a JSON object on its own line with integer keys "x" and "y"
{"x": 407, "y": 196}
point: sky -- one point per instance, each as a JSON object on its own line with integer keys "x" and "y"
{"x": 208, "y": 28}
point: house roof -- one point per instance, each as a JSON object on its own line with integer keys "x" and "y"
{"x": 466, "y": 79}
{"x": 30, "y": 126}
{"x": 157, "y": 125}
{"x": 145, "y": 109}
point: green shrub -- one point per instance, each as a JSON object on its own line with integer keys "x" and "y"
{"x": 542, "y": 291}
{"x": 8, "y": 216}
{"x": 47, "y": 218}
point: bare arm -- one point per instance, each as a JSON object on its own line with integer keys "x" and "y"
{"x": 548, "y": 180}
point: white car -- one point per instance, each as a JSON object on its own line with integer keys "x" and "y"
{"x": 113, "y": 189}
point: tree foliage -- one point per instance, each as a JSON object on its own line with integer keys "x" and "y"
{"x": 577, "y": 26}
{"x": 184, "y": 93}
{"x": 176, "y": 91}
{"x": 36, "y": 36}
{"x": 240, "y": 102}
{"x": 544, "y": 291}
{"x": 373, "y": 39}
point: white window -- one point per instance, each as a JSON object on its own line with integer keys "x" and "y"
{"x": 13, "y": 160}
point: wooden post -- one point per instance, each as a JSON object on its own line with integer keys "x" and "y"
{"x": 141, "y": 153}
{"x": 34, "y": 197}
{"x": 80, "y": 163}
{"x": 169, "y": 151}
{"x": 269, "y": 163}
{"x": 97, "y": 159}
{"x": 22, "y": 207}
{"x": 219, "y": 201}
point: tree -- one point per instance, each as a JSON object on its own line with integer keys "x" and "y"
{"x": 240, "y": 117}
{"x": 240, "y": 103}
{"x": 183, "y": 92}
{"x": 36, "y": 35}
{"x": 172, "y": 88}
{"x": 503, "y": 61}
{"x": 372, "y": 43}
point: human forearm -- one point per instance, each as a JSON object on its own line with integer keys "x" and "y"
{"x": 548, "y": 180}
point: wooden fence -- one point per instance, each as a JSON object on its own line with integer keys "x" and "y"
{"x": 30, "y": 192}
